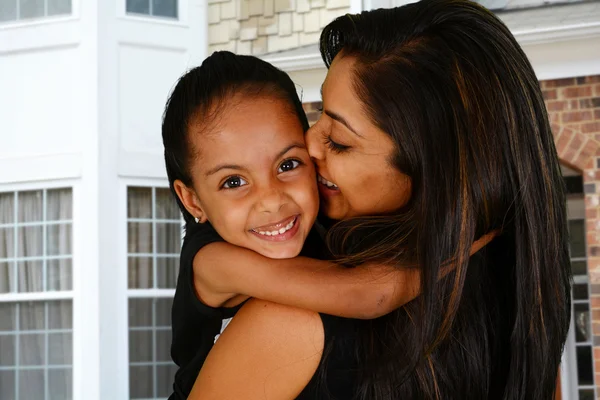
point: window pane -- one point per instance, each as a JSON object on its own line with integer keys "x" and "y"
{"x": 8, "y": 344}
{"x": 164, "y": 380}
{"x": 577, "y": 238}
{"x": 140, "y": 382}
{"x": 168, "y": 238}
{"x": 163, "y": 345}
{"x": 7, "y": 385}
{"x": 140, "y": 346}
{"x": 579, "y": 267}
{"x": 138, "y": 6}
{"x": 582, "y": 323}
{"x": 580, "y": 291}
{"x": 8, "y": 317}
{"x": 60, "y": 349}
{"x": 32, "y": 316}
{"x": 7, "y": 243}
{"x": 60, "y": 314}
{"x": 30, "y": 276}
{"x": 59, "y": 201}
{"x": 140, "y": 312}
{"x": 139, "y": 200}
{"x": 166, "y": 272}
{"x": 163, "y": 311}
{"x": 60, "y": 384}
{"x": 59, "y": 7}
{"x": 30, "y": 203}
{"x": 59, "y": 240}
{"x": 7, "y": 274}
{"x": 30, "y": 241}
{"x": 59, "y": 275}
{"x": 140, "y": 273}
{"x": 31, "y": 384}
{"x": 166, "y": 206}
{"x": 584, "y": 365}
{"x": 7, "y": 200}
{"x": 587, "y": 394}
{"x": 139, "y": 235}
{"x": 32, "y": 350}
{"x": 164, "y": 8}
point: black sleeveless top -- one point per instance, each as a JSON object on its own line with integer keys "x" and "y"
{"x": 196, "y": 325}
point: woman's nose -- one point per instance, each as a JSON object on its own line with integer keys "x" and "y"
{"x": 313, "y": 144}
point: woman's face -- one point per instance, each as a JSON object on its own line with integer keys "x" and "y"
{"x": 351, "y": 154}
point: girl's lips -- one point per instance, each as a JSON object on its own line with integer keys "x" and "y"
{"x": 280, "y": 237}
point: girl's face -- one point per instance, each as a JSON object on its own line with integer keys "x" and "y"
{"x": 352, "y": 155}
{"x": 253, "y": 178}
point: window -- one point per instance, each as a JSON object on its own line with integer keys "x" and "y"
{"x": 155, "y": 8}
{"x": 36, "y": 326}
{"x": 583, "y": 335}
{"x": 17, "y": 10}
{"x": 154, "y": 234}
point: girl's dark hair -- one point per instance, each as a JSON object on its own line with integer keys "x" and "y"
{"x": 201, "y": 95}
{"x": 450, "y": 85}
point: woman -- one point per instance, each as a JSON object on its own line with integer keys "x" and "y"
{"x": 434, "y": 132}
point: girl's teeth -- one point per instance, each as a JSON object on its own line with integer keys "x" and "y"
{"x": 280, "y": 231}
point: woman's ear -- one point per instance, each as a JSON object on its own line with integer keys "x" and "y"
{"x": 190, "y": 200}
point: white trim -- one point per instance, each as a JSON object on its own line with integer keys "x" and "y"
{"x": 149, "y": 182}
{"x": 40, "y": 168}
{"x": 311, "y": 58}
{"x": 39, "y": 185}
{"x": 36, "y": 296}
{"x": 149, "y": 293}
{"x": 557, "y": 33}
{"x": 356, "y": 6}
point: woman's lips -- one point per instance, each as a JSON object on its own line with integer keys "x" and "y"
{"x": 326, "y": 187}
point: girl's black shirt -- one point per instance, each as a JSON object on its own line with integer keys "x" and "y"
{"x": 196, "y": 325}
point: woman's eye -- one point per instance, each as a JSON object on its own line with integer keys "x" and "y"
{"x": 288, "y": 165}
{"x": 334, "y": 146}
{"x": 234, "y": 182}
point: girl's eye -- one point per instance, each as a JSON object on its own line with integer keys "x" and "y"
{"x": 334, "y": 146}
{"x": 234, "y": 182}
{"x": 288, "y": 165}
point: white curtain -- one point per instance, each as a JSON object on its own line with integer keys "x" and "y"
{"x": 35, "y": 268}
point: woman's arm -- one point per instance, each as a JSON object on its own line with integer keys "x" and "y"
{"x": 223, "y": 271}
{"x": 268, "y": 351}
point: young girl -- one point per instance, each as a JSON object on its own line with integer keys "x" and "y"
{"x": 233, "y": 133}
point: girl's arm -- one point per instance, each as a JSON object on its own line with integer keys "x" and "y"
{"x": 268, "y": 351}
{"x": 223, "y": 271}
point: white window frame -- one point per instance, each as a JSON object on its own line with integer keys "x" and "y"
{"x": 52, "y": 19}
{"x": 122, "y": 313}
{"x": 181, "y": 20}
{"x": 79, "y": 314}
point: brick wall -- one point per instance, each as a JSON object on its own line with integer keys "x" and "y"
{"x": 267, "y": 26}
{"x": 574, "y": 108}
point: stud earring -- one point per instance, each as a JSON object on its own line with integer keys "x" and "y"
{"x": 197, "y": 220}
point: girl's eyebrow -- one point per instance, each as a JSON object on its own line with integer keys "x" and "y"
{"x": 290, "y": 147}
{"x": 223, "y": 166}
{"x": 220, "y": 167}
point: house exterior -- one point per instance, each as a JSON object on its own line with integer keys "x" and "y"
{"x": 89, "y": 235}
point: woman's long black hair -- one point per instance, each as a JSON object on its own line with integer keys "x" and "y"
{"x": 450, "y": 85}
